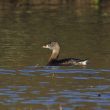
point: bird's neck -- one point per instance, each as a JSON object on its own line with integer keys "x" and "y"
{"x": 54, "y": 55}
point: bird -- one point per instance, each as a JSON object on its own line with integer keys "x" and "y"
{"x": 54, "y": 61}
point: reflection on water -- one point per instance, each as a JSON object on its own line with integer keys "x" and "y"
{"x": 22, "y": 35}
{"x": 70, "y": 88}
{"x": 83, "y": 31}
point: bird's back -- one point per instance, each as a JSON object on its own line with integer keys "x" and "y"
{"x": 68, "y": 62}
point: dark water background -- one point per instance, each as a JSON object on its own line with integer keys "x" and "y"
{"x": 83, "y": 31}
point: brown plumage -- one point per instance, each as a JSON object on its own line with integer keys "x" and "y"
{"x": 54, "y": 61}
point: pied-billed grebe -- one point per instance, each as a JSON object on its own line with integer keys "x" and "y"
{"x": 53, "y": 60}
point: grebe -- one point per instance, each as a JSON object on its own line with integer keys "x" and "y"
{"x": 53, "y": 60}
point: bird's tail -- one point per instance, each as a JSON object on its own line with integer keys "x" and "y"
{"x": 84, "y": 63}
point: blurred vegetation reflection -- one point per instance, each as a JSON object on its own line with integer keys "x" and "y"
{"x": 27, "y": 24}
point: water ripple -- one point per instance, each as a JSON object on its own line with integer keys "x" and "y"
{"x": 54, "y": 85}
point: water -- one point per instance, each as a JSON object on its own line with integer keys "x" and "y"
{"x": 54, "y": 88}
{"x": 27, "y": 84}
